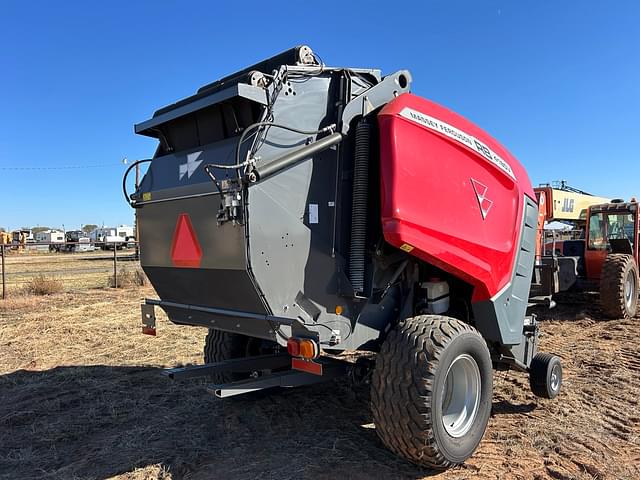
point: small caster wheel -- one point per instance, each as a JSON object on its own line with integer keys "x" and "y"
{"x": 545, "y": 375}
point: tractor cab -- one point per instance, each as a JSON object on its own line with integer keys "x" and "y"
{"x": 611, "y": 228}
{"x": 611, "y": 255}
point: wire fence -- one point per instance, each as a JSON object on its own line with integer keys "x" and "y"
{"x": 75, "y": 265}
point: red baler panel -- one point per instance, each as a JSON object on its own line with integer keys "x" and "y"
{"x": 451, "y": 194}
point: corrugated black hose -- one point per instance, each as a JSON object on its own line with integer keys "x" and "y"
{"x": 359, "y": 205}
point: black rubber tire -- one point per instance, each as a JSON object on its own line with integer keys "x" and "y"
{"x": 219, "y": 346}
{"x": 407, "y": 389}
{"x": 613, "y": 281}
{"x": 541, "y": 375}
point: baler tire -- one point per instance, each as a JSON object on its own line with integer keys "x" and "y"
{"x": 619, "y": 286}
{"x": 545, "y": 375}
{"x": 411, "y": 390}
{"x": 219, "y": 346}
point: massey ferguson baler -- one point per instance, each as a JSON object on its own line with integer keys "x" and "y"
{"x": 298, "y": 210}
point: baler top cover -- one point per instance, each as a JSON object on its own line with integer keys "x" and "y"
{"x": 451, "y": 193}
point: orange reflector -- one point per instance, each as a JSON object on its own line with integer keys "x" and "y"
{"x": 302, "y": 347}
{"x": 308, "y": 349}
{"x": 338, "y": 309}
{"x": 293, "y": 347}
{"x": 185, "y": 249}
{"x": 306, "y": 366}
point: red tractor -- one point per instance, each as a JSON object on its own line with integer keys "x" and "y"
{"x": 611, "y": 256}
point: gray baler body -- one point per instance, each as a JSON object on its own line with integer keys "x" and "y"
{"x": 286, "y": 256}
{"x": 281, "y": 251}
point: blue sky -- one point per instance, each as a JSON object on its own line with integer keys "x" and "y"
{"x": 558, "y": 83}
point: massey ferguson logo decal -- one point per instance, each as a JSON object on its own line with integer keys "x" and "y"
{"x": 459, "y": 136}
{"x": 192, "y": 164}
{"x": 481, "y": 194}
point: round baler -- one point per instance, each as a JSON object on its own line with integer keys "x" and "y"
{"x": 298, "y": 211}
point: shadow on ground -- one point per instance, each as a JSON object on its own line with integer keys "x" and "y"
{"x": 101, "y": 421}
{"x": 571, "y": 306}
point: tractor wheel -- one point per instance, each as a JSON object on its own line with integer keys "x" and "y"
{"x": 431, "y": 390}
{"x": 619, "y": 286}
{"x": 545, "y": 375}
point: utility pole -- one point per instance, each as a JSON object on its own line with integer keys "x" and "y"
{"x": 4, "y": 276}
{"x": 135, "y": 216}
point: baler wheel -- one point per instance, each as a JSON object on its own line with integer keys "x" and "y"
{"x": 619, "y": 286}
{"x": 219, "y": 346}
{"x": 431, "y": 390}
{"x": 545, "y": 375}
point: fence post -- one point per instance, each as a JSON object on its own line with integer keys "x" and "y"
{"x": 115, "y": 265}
{"x": 4, "y": 278}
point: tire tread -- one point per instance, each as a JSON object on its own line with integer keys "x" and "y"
{"x": 538, "y": 374}
{"x": 219, "y": 346}
{"x": 402, "y": 386}
{"x": 612, "y": 280}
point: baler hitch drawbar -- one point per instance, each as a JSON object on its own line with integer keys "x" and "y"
{"x": 262, "y": 374}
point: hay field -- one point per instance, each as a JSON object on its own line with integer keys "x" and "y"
{"x": 81, "y": 397}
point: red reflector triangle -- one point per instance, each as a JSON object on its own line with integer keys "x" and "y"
{"x": 185, "y": 250}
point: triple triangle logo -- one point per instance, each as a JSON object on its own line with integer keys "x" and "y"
{"x": 481, "y": 194}
{"x": 192, "y": 164}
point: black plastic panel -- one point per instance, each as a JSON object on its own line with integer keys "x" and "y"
{"x": 231, "y": 289}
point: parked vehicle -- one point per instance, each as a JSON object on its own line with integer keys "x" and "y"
{"x": 559, "y": 261}
{"x": 611, "y": 256}
{"x": 77, "y": 241}
{"x": 55, "y": 239}
{"x": 108, "y": 238}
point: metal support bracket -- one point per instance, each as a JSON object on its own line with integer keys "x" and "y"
{"x": 246, "y": 364}
{"x": 390, "y": 87}
{"x": 222, "y": 312}
{"x": 148, "y": 319}
{"x": 289, "y": 378}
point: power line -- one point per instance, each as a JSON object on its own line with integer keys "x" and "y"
{"x": 64, "y": 167}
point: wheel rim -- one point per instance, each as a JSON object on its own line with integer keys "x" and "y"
{"x": 629, "y": 288}
{"x": 461, "y": 396}
{"x": 555, "y": 378}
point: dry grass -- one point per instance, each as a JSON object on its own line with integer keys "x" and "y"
{"x": 81, "y": 397}
{"x": 127, "y": 278}
{"x": 77, "y": 271}
{"x": 43, "y": 285}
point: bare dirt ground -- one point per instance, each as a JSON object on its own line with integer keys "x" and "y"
{"x": 81, "y": 397}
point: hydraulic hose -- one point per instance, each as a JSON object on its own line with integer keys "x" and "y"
{"x": 124, "y": 180}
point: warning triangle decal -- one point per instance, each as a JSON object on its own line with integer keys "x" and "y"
{"x": 185, "y": 249}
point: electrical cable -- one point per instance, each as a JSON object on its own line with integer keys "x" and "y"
{"x": 63, "y": 167}
{"x": 207, "y": 168}
{"x": 251, "y": 127}
{"x": 124, "y": 179}
{"x": 279, "y": 78}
